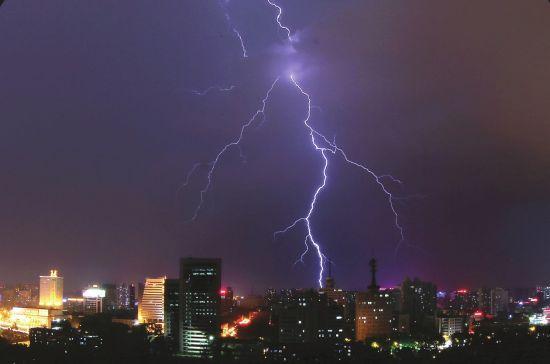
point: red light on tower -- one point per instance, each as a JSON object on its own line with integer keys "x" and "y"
{"x": 223, "y": 292}
{"x": 462, "y": 291}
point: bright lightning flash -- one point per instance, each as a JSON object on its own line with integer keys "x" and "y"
{"x": 320, "y": 143}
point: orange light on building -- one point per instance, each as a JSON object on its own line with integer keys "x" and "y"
{"x": 244, "y": 321}
{"x": 51, "y": 290}
{"x": 231, "y": 329}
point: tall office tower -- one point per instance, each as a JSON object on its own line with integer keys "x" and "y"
{"x": 151, "y": 306}
{"x": 123, "y": 296}
{"x": 51, "y": 290}
{"x": 542, "y": 291}
{"x": 419, "y": 304}
{"x": 172, "y": 310}
{"x": 374, "y": 315}
{"x": 200, "y": 283}
{"x": 132, "y": 296}
{"x": 484, "y": 299}
{"x": 499, "y": 301}
{"x": 110, "y": 300}
{"x": 93, "y": 299}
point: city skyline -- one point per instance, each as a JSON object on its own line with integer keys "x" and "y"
{"x": 99, "y": 135}
{"x": 331, "y": 282}
{"x": 194, "y": 317}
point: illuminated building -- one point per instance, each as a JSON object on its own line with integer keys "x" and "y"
{"x": 23, "y": 318}
{"x": 125, "y": 296}
{"x": 199, "y": 306}
{"x": 93, "y": 299}
{"x": 50, "y": 310}
{"x": 51, "y": 290}
{"x": 151, "y": 306}
{"x": 448, "y": 326}
{"x": 172, "y": 310}
{"x": 373, "y": 310}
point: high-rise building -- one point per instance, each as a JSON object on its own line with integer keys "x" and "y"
{"x": 51, "y": 290}
{"x": 172, "y": 310}
{"x": 132, "y": 296}
{"x": 499, "y": 301}
{"x": 544, "y": 292}
{"x": 123, "y": 296}
{"x": 462, "y": 302}
{"x": 450, "y": 325}
{"x": 151, "y": 306}
{"x": 200, "y": 284}
{"x": 374, "y": 315}
{"x": 484, "y": 299}
{"x": 110, "y": 300}
{"x": 93, "y": 299}
{"x": 419, "y": 304}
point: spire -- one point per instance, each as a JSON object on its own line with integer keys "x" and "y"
{"x": 329, "y": 282}
{"x": 373, "y": 286}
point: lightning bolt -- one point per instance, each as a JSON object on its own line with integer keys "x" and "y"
{"x": 278, "y": 19}
{"x": 243, "y": 48}
{"x": 320, "y": 144}
{"x": 330, "y": 147}
{"x": 306, "y": 219}
{"x": 235, "y": 143}
{"x": 212, "y": 88}
{"x": 235, "y": 30}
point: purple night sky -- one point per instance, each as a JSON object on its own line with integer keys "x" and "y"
{"x": 99, "y": 127}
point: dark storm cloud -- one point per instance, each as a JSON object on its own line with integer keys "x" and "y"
{"x": 98, "y": 130}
